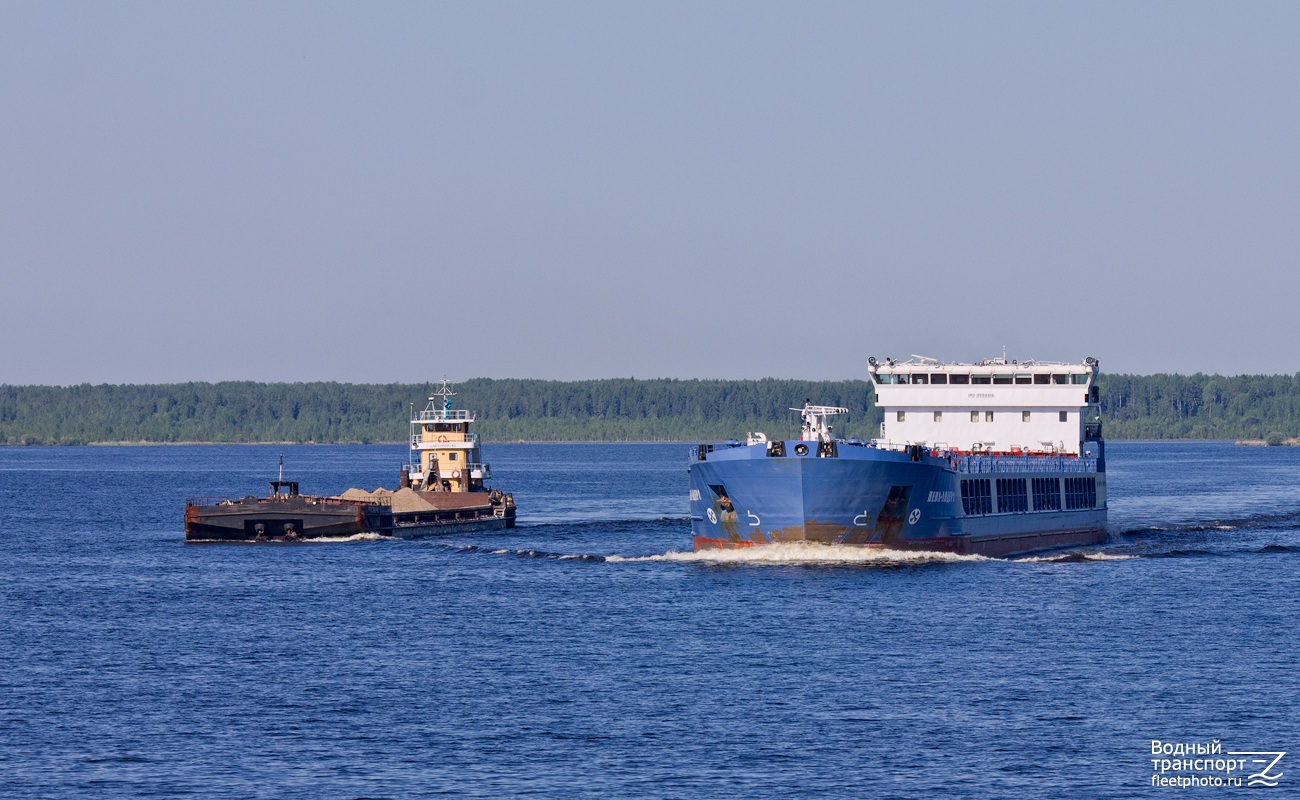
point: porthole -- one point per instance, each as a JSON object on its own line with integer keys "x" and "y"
{"x": 801, "y": 449}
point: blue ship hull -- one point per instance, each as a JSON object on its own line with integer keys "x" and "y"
{"x": 842, "y": 493}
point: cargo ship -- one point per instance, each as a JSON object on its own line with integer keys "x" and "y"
{"x": 996, "y": 458}
{"x": 442, "y": 489}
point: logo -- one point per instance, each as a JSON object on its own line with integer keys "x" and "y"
{"x": 1197, "y": 764}
{"x": 1263, "y": 777}
{"x": 914, "y": 517}
{"x": 712, "y": 516}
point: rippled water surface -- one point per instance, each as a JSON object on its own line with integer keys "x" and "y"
{"x": 588, "y": 653}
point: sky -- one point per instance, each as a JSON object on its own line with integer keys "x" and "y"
{"x": 398, "y": 192}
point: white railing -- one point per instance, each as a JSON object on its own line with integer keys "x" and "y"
{"x": 418, "y": 444}
{"x": 478, "y": 472}
{"x": 441, "y": 415}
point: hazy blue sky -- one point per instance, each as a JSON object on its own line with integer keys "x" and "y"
{"x": 394, "y": 192}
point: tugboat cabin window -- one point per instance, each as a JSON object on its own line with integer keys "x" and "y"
{"x": 974, "y": 416}
{"x": 988, "y": 416}
{"x": 1042, "y": 378}
{"x": 961, "y": 379}
{"x": 919, "y": 378}
{"x": 902, "y": 415}
{"x": 938, "y": 416}
{"x": 1060, "y": 379}
{"x": 1079, "y": 378}
{"x": 1065, "y": 416}
{"x": 901, "y": 378}
{"x": 1002, "y": 379}
{"x": 1024, "y": 416}
{"x": 1024, "y": 379}
{"x": 980, "y": 379}
{"x": 938, "y": 378}
{"x": 451, "y": 456}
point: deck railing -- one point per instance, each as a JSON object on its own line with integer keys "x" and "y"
{"x": 439, "y": 415}
{"x": 416, "y": 440}
{"x": 984, "y": 464}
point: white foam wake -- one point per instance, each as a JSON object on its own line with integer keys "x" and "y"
{"x": 803, "y": 553}
{"x": 1059, "y": 557}
{"x": 356, "y": 537}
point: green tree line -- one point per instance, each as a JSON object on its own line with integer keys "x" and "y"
{"x": 1133, "y": 407}
{"x": 508, "y": 410}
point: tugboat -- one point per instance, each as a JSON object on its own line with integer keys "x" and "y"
{"x": 441, "y": 490}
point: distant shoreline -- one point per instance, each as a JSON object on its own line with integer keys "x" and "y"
{"x": 1239, "y": 442}
{"x": 346, "y": 444}
{"x": 1157, "y": 407}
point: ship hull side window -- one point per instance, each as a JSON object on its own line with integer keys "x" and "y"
{"x": 1080, "y": 493}
{"x": 1011, "y": 496}
{"x": 976, "y": 497}
{"x": 1047, "y": 494}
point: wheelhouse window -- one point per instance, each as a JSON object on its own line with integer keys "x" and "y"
{"x": 1024, "y": 379}
{"x": 1042, "y": 378}
{"x": 1065, "y": 416}
{"x": 938, "y": 416}
{"x": 939, "y": 378}
{"x": 1060, "y": 379}
{"x": 988, "y": 416}
{"x": 1003, "y": 379}
{"x": 974, "y": 416}
{"x": 980, "y": 379}
{"x": 959, "y": 378}
{"x": 1080, "y": 379}
{"x": 919, "y": 378}
{"x": 902, "y": 415}
{"x": 1024, "y": 416}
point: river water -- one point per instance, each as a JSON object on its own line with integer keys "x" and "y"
{"x": 589, "y": 654}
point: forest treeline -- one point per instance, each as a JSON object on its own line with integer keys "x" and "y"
{"x": 508, "y": 410}
{"x": 1133, "y": 407}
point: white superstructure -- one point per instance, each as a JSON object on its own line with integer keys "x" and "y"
{"x": 995, "y": 405}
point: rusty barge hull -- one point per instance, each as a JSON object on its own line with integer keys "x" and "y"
{"x": 306, "y": 517}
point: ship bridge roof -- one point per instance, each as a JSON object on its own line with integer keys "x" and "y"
{"x": 924, "y": 364}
